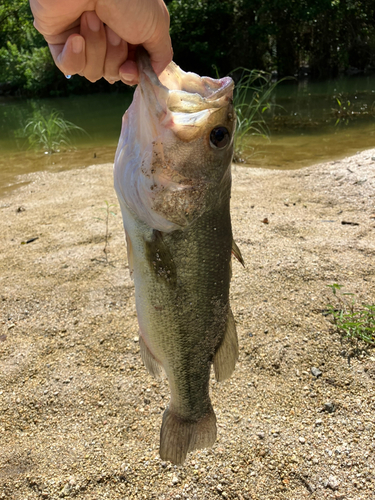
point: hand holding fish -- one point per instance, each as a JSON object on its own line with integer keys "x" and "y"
{"x": 97, "y": 38}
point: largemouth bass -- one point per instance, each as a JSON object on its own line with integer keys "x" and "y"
{"x": 173, "y": 181}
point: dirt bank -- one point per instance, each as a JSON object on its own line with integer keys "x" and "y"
{"x": 79, "y": 414}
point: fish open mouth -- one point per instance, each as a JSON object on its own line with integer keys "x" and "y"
{"x": 174, "y": 120}
{"x": 179, "y": 91}
{"x": 175, "y": 79}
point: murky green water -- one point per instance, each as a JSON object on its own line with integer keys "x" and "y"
{"x": 99, "y": 115}
{"x": 309, "y": 123}
{"x": 312, "y": 122}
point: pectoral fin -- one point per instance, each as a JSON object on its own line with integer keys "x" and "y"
{"x": 129, "y": 250}
{"x": 227, "y": 353}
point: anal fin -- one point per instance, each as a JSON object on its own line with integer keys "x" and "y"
{"x": 179, "y": 436}
{"x": 227, "y": 354}
{"x": 151, "y": 363}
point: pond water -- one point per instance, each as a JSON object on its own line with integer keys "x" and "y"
{"x": 308, "y": 123}
{"x": 312, "y": 122}
{"x": 98, "y": 114}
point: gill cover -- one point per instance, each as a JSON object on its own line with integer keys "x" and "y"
{"x": 170, "y": 121}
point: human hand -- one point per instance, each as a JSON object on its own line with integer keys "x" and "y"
{"x": 97, "y": 38}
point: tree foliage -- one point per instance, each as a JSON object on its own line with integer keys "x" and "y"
{"x": 324, "y": 37}
{"x": 328, "y": 36}
{"x": 26, "y": 65}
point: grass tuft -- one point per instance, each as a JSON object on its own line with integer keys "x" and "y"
{"x": 49, "y": 132}
{"x": 252, "y": 96}
{"x": 354, "y": 322}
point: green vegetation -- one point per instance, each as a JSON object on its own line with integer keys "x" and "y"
{"x": 252, "y": 97}
{"x": 352, "y": 321}
{"x": 347, "y": 111}
{"x": 323, "y": 37}
{"x": 26, "y": 65}
{"x": 49, "y": 132}
{"x": 344, "y": 111}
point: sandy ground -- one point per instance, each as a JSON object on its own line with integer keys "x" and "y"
{"x": 79, "y": 414}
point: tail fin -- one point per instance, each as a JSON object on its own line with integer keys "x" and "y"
{"x": 179, "y": 436}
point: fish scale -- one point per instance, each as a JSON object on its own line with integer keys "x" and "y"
{"x": 195, "y": 299}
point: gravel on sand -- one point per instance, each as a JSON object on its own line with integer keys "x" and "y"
{"x": 79, "y": 414}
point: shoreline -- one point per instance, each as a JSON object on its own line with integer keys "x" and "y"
{"x": 33, "y": 163}
{"x": 80, "y": 416}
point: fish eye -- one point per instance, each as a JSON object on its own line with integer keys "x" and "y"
{"x": 219, "y": 137}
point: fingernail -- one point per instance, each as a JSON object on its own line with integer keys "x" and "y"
{"x": 77, "y": 44}
{"x": 93, "y": 21}
{"x": 127, "y": 78}
{"x": 113, "y": 38}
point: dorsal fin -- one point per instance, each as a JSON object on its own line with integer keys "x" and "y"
{"x": 237, "y": 253}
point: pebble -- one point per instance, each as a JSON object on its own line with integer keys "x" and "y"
{"x": 329, "y": 407}
{"x": 246, "y": 453}
{"x": 333, "y": 483}
{"x": 302, "y": 440}
{"x": 316, "y": 372}
{"x": 66, "y": 490}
